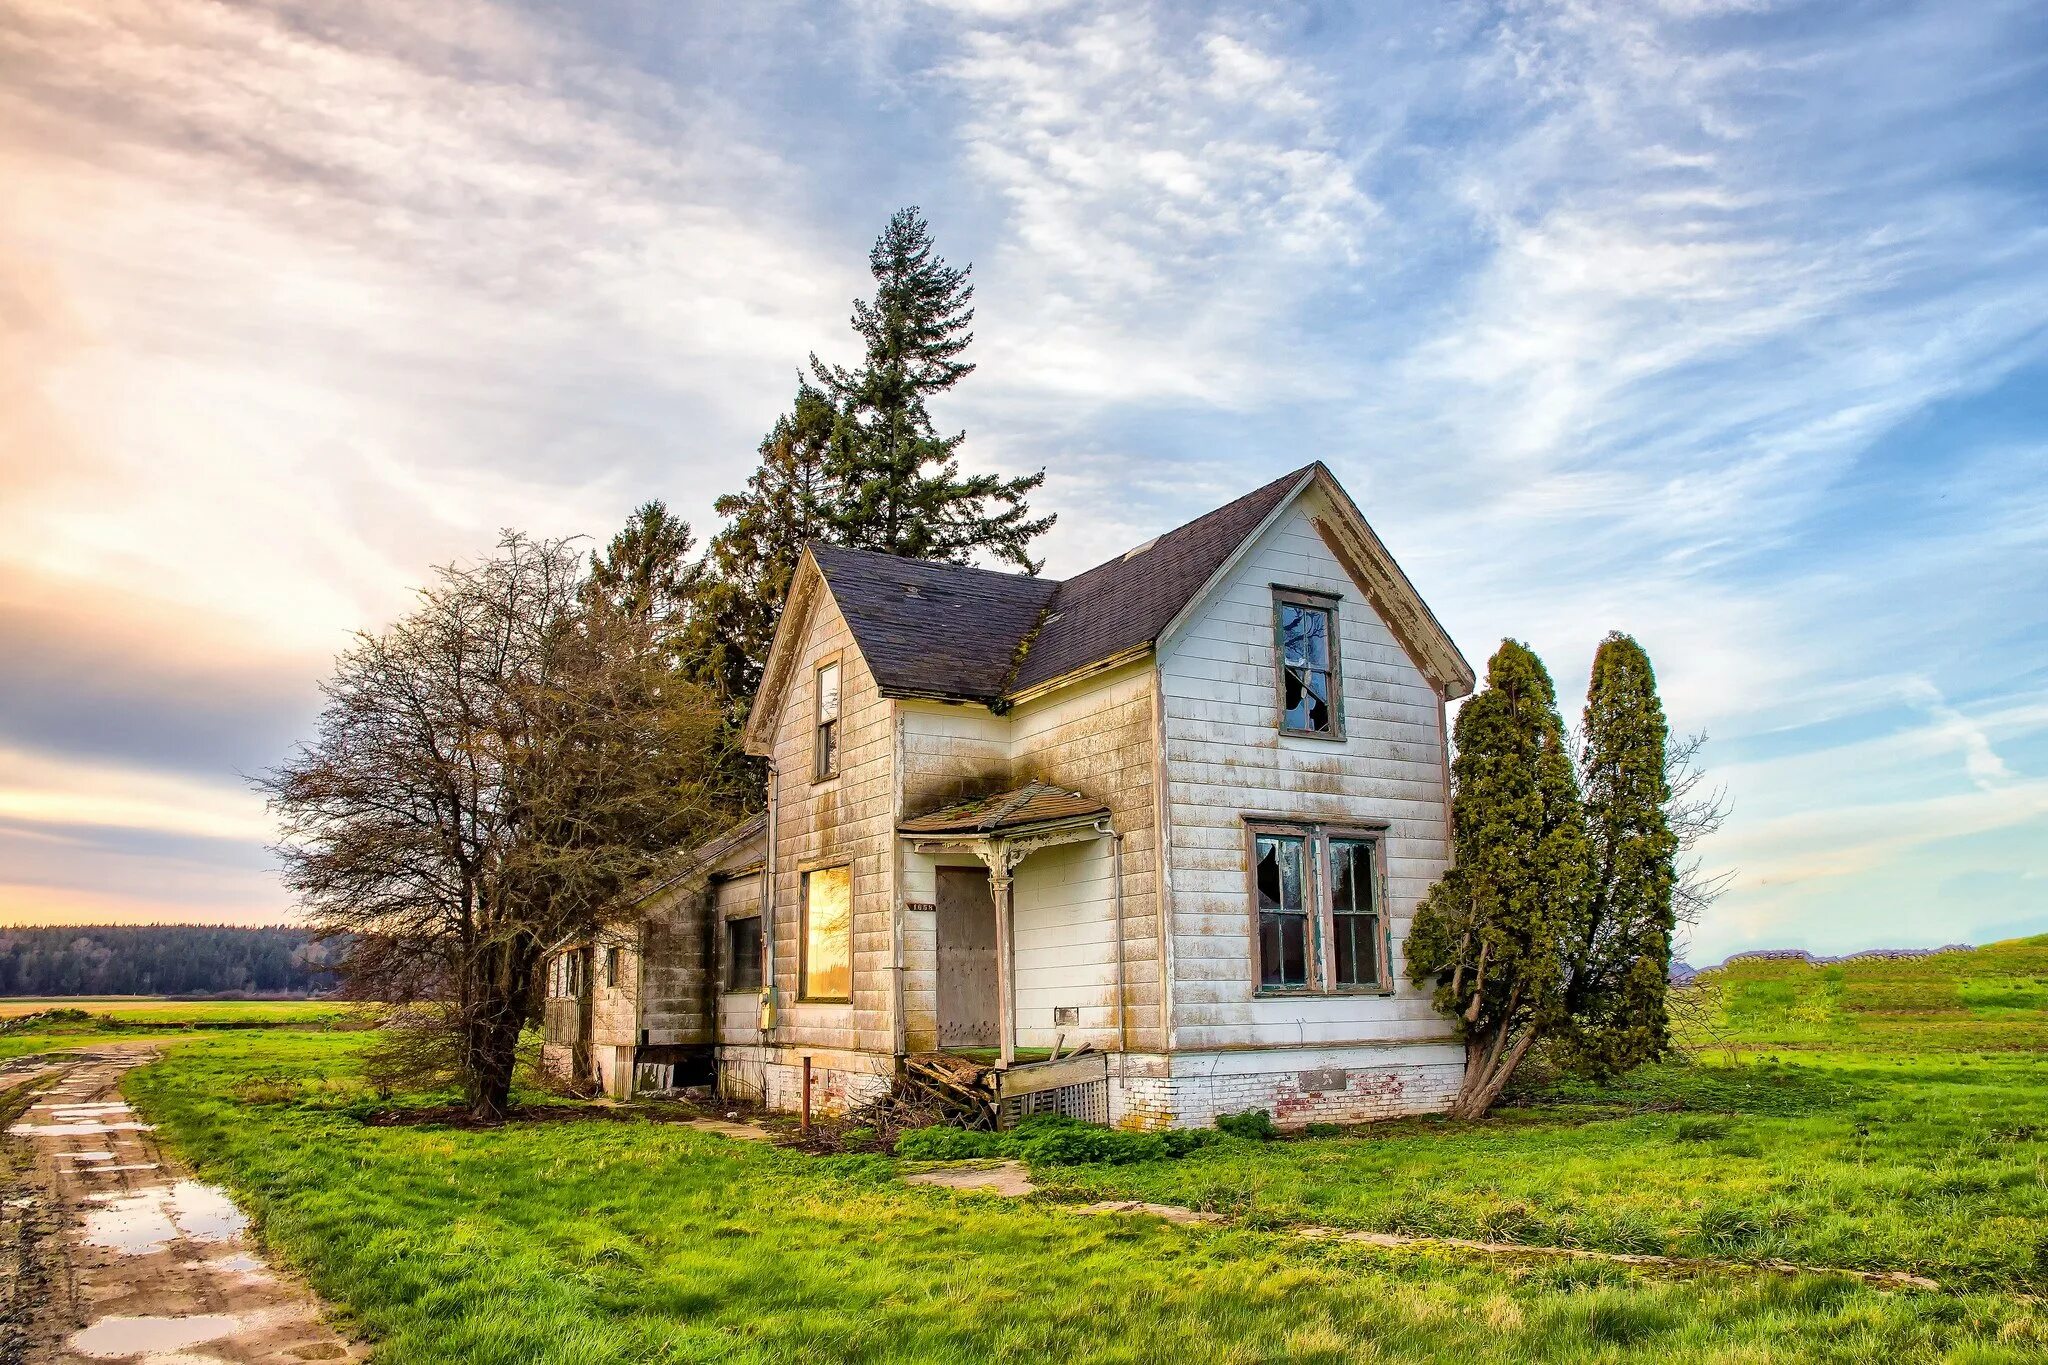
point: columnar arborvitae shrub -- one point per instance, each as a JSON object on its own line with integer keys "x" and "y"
{"x": 1495, "y": 935}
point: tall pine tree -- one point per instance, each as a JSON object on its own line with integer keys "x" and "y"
{"x": 1496, "y": 935}
{"x": 788, "y": 501}
{"x": 1620, "y": 977}
{"x": 899, "y": 484}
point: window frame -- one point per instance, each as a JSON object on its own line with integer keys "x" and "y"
{"x": 1327, "y": 603}
{"x": 826, "y": 749}
{"x": 803, "y": 938}
{"x": 726, "y": 982}
{"x": 1319, "y": 892}
{"x": 614, "y": 961}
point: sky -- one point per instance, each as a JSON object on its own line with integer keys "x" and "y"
{"x": 1722, "y": 322}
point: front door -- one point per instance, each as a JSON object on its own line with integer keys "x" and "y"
{"x": 968, "y": 989}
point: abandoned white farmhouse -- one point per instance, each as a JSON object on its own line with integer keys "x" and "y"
{"x": 1167, "y": 819}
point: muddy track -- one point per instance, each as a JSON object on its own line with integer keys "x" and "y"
{"x": 114, "y": 1254}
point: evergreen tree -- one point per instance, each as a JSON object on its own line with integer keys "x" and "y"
{"x": 748, "y": 565}
{"x": 645, "y": 574}
{"x": 1497, "y": 933}
{"x": 899, "y": 488}
{"x": 1620, "y": 977}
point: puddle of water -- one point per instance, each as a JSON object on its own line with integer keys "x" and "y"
{"x": 116, "y": 1336}
{"x": 148, "y": 1221}
{"x": 87, "y": 1156}
{"x": 236, "y": 1263}
{"x": 75, "y": 1129}
{"x": 103, "y": 1170}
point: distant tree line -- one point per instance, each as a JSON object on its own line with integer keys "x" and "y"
{"x": 163, "y": 959}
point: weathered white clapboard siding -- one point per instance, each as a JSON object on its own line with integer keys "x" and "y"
{"x": 847, "y": 819}
{"x": 1097, "y": 737}
{"x": 1226, "y": 760}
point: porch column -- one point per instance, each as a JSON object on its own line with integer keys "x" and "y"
{"x": 1006, "y": 959}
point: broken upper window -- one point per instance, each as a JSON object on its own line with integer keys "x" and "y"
{"x": 827, "y": 967}
{"x": 1306, "y": 631}
{"x": 825, "y": 750}
{"x": 743, "y": 953}
{"x": 1320, "y": 927}
{"x": 611, "y": 967}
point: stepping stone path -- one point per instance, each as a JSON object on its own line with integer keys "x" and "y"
{"x": 154, "y": 1268}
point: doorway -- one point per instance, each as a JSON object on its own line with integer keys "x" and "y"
{"x": 968, "y": 986}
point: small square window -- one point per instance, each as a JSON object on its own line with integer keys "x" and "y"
{"x": 743, "y": 953}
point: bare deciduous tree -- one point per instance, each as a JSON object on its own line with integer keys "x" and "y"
{"x": 492, "y": 775}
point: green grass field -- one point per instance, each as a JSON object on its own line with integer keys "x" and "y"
{"x": 1868, "y": 1115}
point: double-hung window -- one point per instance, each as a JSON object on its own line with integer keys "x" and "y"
{"x": 1283, "y": 891}
{"x": 1307, "y": 667}
{"x": 1317, "y": 899}
{"x": 825, "y": 748}
{"x": 743, "y": 953}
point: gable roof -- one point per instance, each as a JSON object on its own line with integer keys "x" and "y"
{"x": 958, "y": 633}
{"x": 933, "y": 630}
{"x": 1126, "y": 603}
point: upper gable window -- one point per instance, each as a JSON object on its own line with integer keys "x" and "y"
{"x": 825, "y": 745}
{"x": 1305, "y": 636}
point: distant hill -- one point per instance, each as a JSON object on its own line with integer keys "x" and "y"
{"x": 166, "y": 959}
{"x": 1993, "y": 998}
{"x": 1682, "y": 972}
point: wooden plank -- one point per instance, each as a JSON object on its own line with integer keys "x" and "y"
{"x": 1033, "y": 1077}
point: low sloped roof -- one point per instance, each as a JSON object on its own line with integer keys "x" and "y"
{"x": 1034, "y": 803}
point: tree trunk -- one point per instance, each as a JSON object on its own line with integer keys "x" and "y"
{"x": 1490, "y": 1062}
{"x": 493, "y": 1054}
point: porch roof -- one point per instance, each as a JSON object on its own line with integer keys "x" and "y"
{"x": 1034, "y": 803}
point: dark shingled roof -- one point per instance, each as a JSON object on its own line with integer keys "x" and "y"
{"x": 1034, "y": 803}
{"x": 1129, "y": 601}
{"x": 948, "y": 630}
{"x": 935, "y": 630}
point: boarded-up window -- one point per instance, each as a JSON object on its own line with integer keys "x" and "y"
{"x": 1305, "y": 631}
{"x": 828, "y": 934}
{"x": 1354, "y": 914}
{"x": 1283, "y": 912}
{"x": 743, "y": 953}
{"x": 825, "y": 750}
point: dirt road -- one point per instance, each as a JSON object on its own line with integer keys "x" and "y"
{"x": 117, "y": 1255}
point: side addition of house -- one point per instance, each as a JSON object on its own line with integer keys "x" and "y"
{"x": 1143, "y": 844}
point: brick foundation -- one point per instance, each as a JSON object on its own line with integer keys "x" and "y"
{"x": 1197, "y": 1087}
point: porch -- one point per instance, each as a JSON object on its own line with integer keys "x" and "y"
{"x": 1021, "y": 963}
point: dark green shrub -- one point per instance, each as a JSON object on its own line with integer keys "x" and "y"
{"x": 1323, "y": 1130}
{"x": 1181, "y": 1141}
{"x": 1253, "y": 1124}
{"x": 948, "y": 1144}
